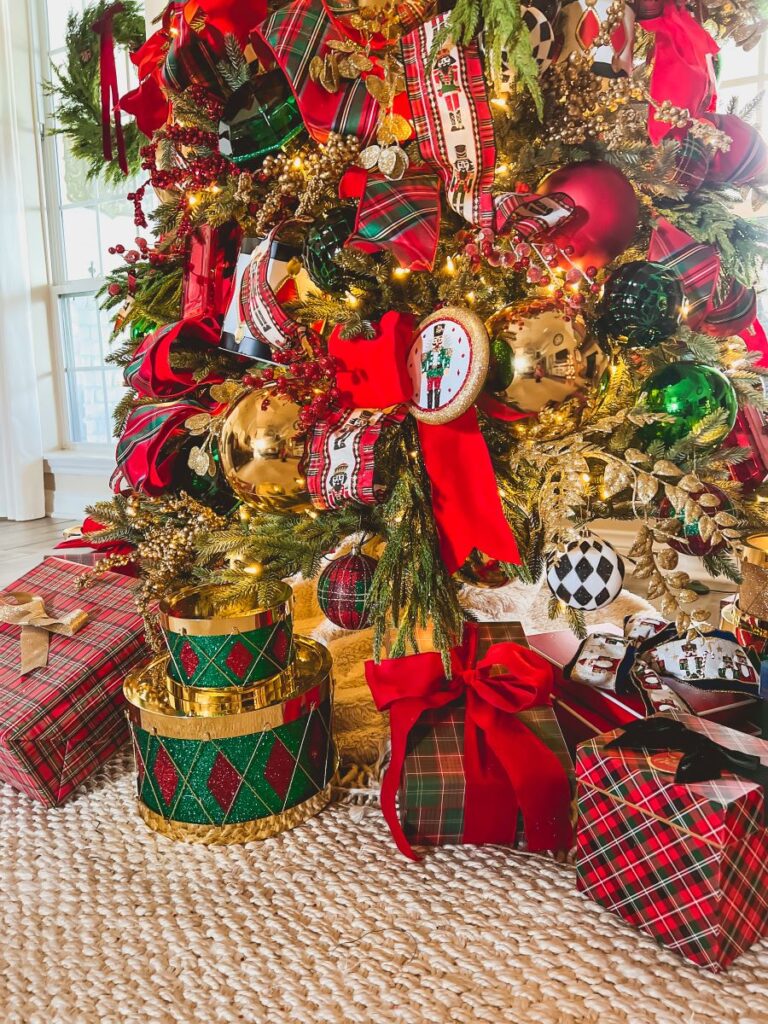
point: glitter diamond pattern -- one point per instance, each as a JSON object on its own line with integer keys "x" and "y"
{"x": 239, "y": 659}
{"x": 166, "y": 776}
{"x": 279, "y": 770}
{"x": 224, "y": 782}
{"x": 189, "y": 660}
{"x": 231, "y": 659}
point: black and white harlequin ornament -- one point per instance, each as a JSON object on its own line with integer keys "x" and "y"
{"x": 588, "y": 575}
{"x": 539, "y": 19}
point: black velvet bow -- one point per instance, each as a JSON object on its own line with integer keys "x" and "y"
{"x": 702, "y": 760}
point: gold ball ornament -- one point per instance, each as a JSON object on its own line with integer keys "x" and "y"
{"x": 551, "y": 359}
{"x": 261, "y": 454}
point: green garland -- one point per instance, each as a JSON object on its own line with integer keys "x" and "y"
{"x": 76, "y": 88}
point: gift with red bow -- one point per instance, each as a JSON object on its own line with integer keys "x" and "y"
{"x": 476, "y": 753}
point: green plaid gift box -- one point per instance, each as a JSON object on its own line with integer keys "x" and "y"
{"x": 432, "y": 791}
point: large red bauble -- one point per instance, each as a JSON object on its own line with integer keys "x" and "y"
{"x": 607, "y": 211}
{"x": 746, "y": 162}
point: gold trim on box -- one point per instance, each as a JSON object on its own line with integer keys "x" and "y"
{"x": 208, "y": 701}
{"x": 756, "y": 550}
{"x": 194, "y": 611}
{"x": 150, "y": 704}
{"x": 237, "y": 832}
{"x": 751, "y": 623}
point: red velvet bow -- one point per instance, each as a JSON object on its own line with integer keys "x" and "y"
{"x": 110, "y": 97}
{"x": 372, "y": 375}
{"x": 498, "y": 747}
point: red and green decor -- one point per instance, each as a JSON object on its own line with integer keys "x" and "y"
{"x": 344, "y": 590}
{"x": 215, "y": 640}
{"x": 233, "y": 778}
{"x": 671, "y": 834}
{"x": 61, "y": 720}
{"x": 477, "y": 757}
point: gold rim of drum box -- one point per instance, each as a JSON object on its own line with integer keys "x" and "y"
{"x": 151, "y": 708}
{"x": 176, "y": 613}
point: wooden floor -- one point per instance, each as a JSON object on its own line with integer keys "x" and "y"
{"x": 23, "y": 545}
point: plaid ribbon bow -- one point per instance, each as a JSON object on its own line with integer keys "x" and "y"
{"x": 508, "y": 680}
{"x": 703, "y": 759}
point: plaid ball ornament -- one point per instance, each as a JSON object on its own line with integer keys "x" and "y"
{"x": 344, "y": 590}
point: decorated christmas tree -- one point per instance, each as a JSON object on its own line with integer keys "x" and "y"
{"x": 424, "y": 293}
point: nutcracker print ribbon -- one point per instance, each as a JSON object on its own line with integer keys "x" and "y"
{"x": 263, "y": 292}
{"x": 295, "y": 35}
{"x": 372, "y": 374}
{"x": 342, "y": 464}
{"x": 454, "y": 129}
{"x": 28, "y": 611}
{"x": 508, "y": 680}
{"x": 699, "y": 266}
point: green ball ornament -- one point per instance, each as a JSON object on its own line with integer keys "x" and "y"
{"x": 141, "y": 327}
{"x": 501, "y": 369}
{"x": 260, "y": 117}
{"x": 209, "y": 489}
{"x": 324, "y": 241}
{"x": 641, "y": 304}
{"x": 688, "y": 392}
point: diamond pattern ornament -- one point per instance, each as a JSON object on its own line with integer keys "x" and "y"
{"x": 587, "y": 576}
{"x": 230, "y": 659}
{"x": 224, "y": 782}
{"x": 165, "y": 775}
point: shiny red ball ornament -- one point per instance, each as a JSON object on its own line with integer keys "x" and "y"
{"x": 689, "y": 541}
{"x": 607, "y": 211}
{"x": 344, "y": 590}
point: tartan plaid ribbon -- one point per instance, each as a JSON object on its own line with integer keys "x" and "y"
{"x": 150, "y": 442}
{"x": 28, "y": 611}
{"x": 454, "y": 129}
{"x": 698, "y": 265}
{"x": 193, "y": 57}
{"x": 703, "y": 759}
{"x": 508, "y": 680}
{"x": 151, "y": 373}
{"x": 295, "y": 35}
{"x": 342, "y": 463}
{"x": 265, "y": 287}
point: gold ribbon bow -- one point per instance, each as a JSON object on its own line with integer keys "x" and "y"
{"x": 28, "y": 611}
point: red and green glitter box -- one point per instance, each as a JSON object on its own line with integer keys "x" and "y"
{"x": 61, "y": 722}
{"x": 685, "y": 862}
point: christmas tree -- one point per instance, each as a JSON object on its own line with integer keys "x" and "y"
{"x": 436, "y": 289}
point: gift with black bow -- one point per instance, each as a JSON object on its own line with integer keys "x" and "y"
{"x": 671, "y": 833}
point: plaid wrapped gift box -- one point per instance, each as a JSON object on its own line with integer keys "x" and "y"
{"x": 59, "y": 723}
{"x": 686, "y": 863}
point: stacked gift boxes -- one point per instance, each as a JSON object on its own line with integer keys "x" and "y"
{"x": 232, "y": 727}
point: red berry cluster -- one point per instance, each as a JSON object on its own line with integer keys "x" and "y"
{"x": 311, "y": 383}
{"x": 137, "y": 198}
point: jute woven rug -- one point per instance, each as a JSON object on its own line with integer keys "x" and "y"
{"x": 104, "y": 922}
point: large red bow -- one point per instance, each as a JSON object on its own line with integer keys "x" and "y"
{"x": 498, "y": 747}
{"x": 465, "y": 497}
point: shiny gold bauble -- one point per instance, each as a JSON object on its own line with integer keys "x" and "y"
{"x": 261, "y": 458}
{"x": 552, "y": 359}
{"x": 481, "y": 571}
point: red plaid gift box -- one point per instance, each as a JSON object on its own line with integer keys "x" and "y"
{"x": 59, "y": 723}
{"x": 685, "y": 862}
{"x": 584, "y": 711}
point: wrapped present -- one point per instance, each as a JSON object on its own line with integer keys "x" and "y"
{"x": 64, "y": 718}
{"x": 671, "y": 834}
{"x": 472, "y": 752}
{"x": 246, "y": 769}
{"x": 611, "y": 679}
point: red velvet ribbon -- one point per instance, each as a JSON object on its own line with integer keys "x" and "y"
{"x": 498, "y": 747}
{"x": 465, "y": 497}
{"x": 110, "y": 97}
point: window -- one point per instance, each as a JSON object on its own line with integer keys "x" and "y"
{"x": 85, "y": 218}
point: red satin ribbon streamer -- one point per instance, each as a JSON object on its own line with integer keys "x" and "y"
{"x": 683, "y": 71}
{"x": 498, "y": 748}
{"x": 465, "y": 498}
{"x": 755, "y": 339}
{"x": 110, "y": 97}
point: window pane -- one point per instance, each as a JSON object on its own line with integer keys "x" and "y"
{"x": 75, "y": 187}
{"x": 116, "y": 226}
{"x": 735, "y": 63}
{"x": 81, "y": 329}
{"x": 57, "y": 20}
{"x": 88, "y": 417}
{"x": 81, "y": 242}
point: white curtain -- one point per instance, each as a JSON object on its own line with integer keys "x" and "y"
{"x": 22, "y": 493}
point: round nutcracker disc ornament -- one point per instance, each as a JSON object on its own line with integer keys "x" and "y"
{"x": 588, "y": 575}
{"x": 447, "y": 364}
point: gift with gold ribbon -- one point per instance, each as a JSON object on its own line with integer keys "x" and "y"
{"x": 506, "y": 767}
{"x": 18, "y": 608}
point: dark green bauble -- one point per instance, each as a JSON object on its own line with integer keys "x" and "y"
{"x": 213, "y": 491}
{"x": 324, "y": 241}
{"x": 260, "y": 117}
{"x": 141, "y": 327}
{"x": 688, "y": 392}
{"x": 641, "y": 304}
{"x": 501, "y": 369}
